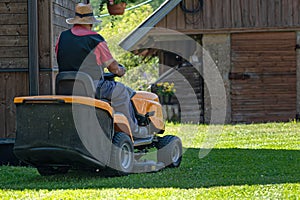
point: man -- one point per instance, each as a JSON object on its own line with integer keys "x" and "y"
{"x": 80, "y": 48}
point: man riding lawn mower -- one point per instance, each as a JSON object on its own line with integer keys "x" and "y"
{"x": 73, "y": 129}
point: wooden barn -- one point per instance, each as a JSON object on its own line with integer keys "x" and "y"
{"x": 28, "y": 32}
{"x": 254, "y": 43}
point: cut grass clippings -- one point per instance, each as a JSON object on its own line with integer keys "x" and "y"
{"x": 257, "y": 161}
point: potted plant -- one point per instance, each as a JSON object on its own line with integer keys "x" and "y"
{"x": 165, "y": 91}
{"x": 114, "y": 7}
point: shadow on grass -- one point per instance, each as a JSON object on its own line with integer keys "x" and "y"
{"x": 222, "y": 167}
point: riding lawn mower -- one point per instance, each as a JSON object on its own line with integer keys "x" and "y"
{"x": 74, "y": 130}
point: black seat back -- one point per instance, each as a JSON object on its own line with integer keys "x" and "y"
{"x": 74, "y": 83}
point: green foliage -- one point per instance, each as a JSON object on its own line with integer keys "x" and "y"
{"x": 123, "y": 26}
{"x": 141, "y": 77}
{"x": 257, "y": 161}
{"x": 117, "y": 1}
{"x": 96, "y": 5}
{"x": 156, "y": 3}
{"x": 140, "y": 71}
{"x": 100, "y": 10}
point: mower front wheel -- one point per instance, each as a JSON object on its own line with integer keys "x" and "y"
{"x": 122, "y": 159}
{"x": 169, "y": 151}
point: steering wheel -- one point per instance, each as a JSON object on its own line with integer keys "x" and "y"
{"x": 109, "y": 76}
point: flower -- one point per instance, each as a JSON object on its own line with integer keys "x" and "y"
{"x": 165, "y": 89}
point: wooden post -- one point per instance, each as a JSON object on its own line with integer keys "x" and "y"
{"x": 33, "y": 55}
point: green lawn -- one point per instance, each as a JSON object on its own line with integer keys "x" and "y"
{"x": 260, "y": 161}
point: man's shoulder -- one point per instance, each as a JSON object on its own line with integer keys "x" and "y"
{"x": 83, "y": 33}
{"x": 97, "y": 37}
{"x": 65, "y": 32}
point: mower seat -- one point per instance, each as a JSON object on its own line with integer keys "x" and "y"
{"x": 74, "y": 83}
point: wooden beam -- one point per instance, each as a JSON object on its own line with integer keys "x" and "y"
{"x": 33, "y": 47}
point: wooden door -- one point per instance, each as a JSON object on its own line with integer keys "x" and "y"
{"x": 263, "y": 77}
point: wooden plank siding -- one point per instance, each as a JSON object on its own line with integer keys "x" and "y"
{"x": 234, "y": 15}
{"x": 61, "y": 11}
{"x": 45, "y": 34}
{"x": 189, "y": 89}
{"x": 14, "y": 52}
{"x": 263, "y": 77}
{"x": 12, "y": 85}
{"x": 46, "y": 84}
{"x": 13, "y": 56}
{"x": 13, "y": 34}
{"x": 263, "y": 57}
{"x": 188, "y": 81}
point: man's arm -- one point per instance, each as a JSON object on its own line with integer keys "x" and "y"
{"x": 116, "y": 69}
{"x": 105, "y": 58}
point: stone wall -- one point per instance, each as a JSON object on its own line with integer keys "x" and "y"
{"x": 216, "y": 60}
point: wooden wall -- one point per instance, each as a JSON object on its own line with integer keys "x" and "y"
{"x": 61, "y": 11}
{"x": 14, "y": 52}
{"x": 222, "y": 15}
{"x": 263, "y": 77}
{"x": 188, "y": 81}
{"x": 45, "y": 47}
{"x": 13, "y": 61}
{"x": 13, "y": 34}
{"x": 263, "y": 59}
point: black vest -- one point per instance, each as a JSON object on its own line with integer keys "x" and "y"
{"x": 75, "y": 53}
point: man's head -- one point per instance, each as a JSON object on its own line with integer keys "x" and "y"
{"x": 83, "y": 15}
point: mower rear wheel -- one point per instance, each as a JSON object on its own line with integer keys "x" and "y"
{"x": 169, "y": 151}
{"x": 122, "y": 158}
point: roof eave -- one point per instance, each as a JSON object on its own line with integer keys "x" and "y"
{"x": 130, "y": 41}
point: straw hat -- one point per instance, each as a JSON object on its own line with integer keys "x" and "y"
{"x": 83, "y": 15}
